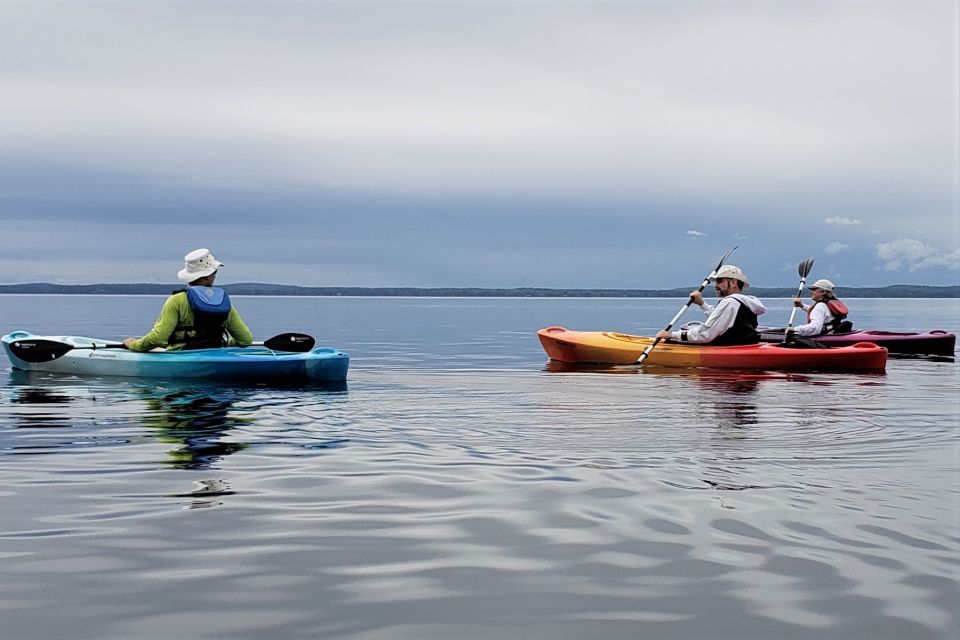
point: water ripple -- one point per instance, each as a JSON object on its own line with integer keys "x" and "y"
{"x": 484, "y": 497}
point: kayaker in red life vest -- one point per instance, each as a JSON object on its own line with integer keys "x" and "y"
{"x": 199, "y": 317}
{"x": 732, "y": 321}
{"x": 825, "y": 315}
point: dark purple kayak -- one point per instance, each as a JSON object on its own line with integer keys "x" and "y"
{"x": 935, "y": 342}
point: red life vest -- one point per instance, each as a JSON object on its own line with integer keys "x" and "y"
{"x": 837, "y": 310}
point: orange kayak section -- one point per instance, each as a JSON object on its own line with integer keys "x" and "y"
{"x": 607, "y": 347}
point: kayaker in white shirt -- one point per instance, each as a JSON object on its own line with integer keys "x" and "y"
{"x": 732, "y": 321}
{"x": 820, "y": 319}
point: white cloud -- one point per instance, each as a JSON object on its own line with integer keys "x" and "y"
{"x": 914, "y": 255}
{"x": 695, "y": 234}
{"x": 836, "y": 247}
{"x": 842, "y": 221}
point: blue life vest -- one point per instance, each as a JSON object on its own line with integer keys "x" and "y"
{"x": 211, "y": 308}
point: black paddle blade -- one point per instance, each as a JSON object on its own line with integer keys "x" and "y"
{"x": 39, "y": 350}
{"x": 293, "y": 342}
{"x": 799, "y": 342}
{"x": 805, "y": 267}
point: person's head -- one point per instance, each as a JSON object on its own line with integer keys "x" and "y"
{"x": 822, "y": 290}
{"x": 199, "y": 268}
{"x": 205, "y": 281}
{"x": 729, "y": 279}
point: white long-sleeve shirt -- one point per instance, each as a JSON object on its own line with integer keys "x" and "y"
{"x": 819, "y": 316}
{"x": 719, "y": 318}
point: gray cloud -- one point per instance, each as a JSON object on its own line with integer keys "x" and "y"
{"x": 520, "y": 131}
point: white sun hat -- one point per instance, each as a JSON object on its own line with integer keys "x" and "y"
{"x": 198, "y": 264}
{"x": 824, "y": 284}
{"x": 730, "y": 271}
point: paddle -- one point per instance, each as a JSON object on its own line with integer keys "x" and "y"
{"x": 40, "y": 350}
{"x": 703, "y": 285}
{"x": 804, "y": 271}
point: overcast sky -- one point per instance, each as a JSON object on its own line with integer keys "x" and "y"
{"x": 487, "y": 144}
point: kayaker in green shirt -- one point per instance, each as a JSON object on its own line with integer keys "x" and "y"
{"x": 199, "y": 317}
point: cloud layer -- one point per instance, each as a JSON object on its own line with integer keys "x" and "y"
{"x": 913, "y": 255}
{"x": 508, "y": 144}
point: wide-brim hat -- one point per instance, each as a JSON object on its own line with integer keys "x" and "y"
{"x": 730, "y": 271}
{"x": 824, "y": 284}
{"x": 198, "y": 264}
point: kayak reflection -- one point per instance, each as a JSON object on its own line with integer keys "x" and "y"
{"x": 733, "y": 401}
{"x": 36, "y": 411}
{"x": 728, "y": 379}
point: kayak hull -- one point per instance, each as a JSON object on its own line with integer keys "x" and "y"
{"x": 606, "y": 347}
{"x": 934, "y": 343}
{"x": 249, "y": 364}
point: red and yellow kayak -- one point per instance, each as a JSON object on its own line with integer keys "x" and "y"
{"x": 607, "y": 347}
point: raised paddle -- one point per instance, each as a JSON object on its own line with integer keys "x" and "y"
{"x": 804, "y": 271}
{"x": 703, "y": 285}
{"x": 40, "y": 350}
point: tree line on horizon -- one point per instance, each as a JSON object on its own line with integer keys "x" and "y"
{"x": 260, "y": 289}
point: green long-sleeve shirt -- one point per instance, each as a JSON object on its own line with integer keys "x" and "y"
{"x": 177, "y": 315}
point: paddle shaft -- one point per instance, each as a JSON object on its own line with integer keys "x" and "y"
{"x": 803, "y": 270}
{"x": 38, "y": 350}
{"x": 703, "y": 285}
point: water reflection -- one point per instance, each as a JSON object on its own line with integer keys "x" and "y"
{"x": 733, "y": 395}
{"x": 556, "y": 366}
{"x": 727, "y": 412}
{"x": 32, "y": 415}
{"x": 195, "y": 420}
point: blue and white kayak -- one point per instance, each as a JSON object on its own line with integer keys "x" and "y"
{"x": 95, "y": 357}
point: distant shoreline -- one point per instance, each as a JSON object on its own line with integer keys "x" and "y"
{"x": 258, "y": 289}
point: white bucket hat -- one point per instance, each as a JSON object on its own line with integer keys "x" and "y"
{"x": 824, "y": 284}
{"x": 198, "y": 264}
{"x": 730, "y": 271}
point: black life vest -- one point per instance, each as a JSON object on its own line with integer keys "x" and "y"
{"x": 211, "y": 308}
{"x": 743, "y": 330}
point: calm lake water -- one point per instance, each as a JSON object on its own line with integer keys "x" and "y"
{"x": 458, "y": 488}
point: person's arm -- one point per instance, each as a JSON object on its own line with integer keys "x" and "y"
{"x": 162, "y": 328}
{"x": 695, "y": 298}
{"x": 240, "y": 334}
{"x": 814, "y": 327}
{"x": 721, "y": 319}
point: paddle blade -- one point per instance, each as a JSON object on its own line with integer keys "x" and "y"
{"x": 39, "y": 350}
{"x": 722, "y": 261}
{"x": 805, "y": 267}
{"x": 293, "y": 342}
